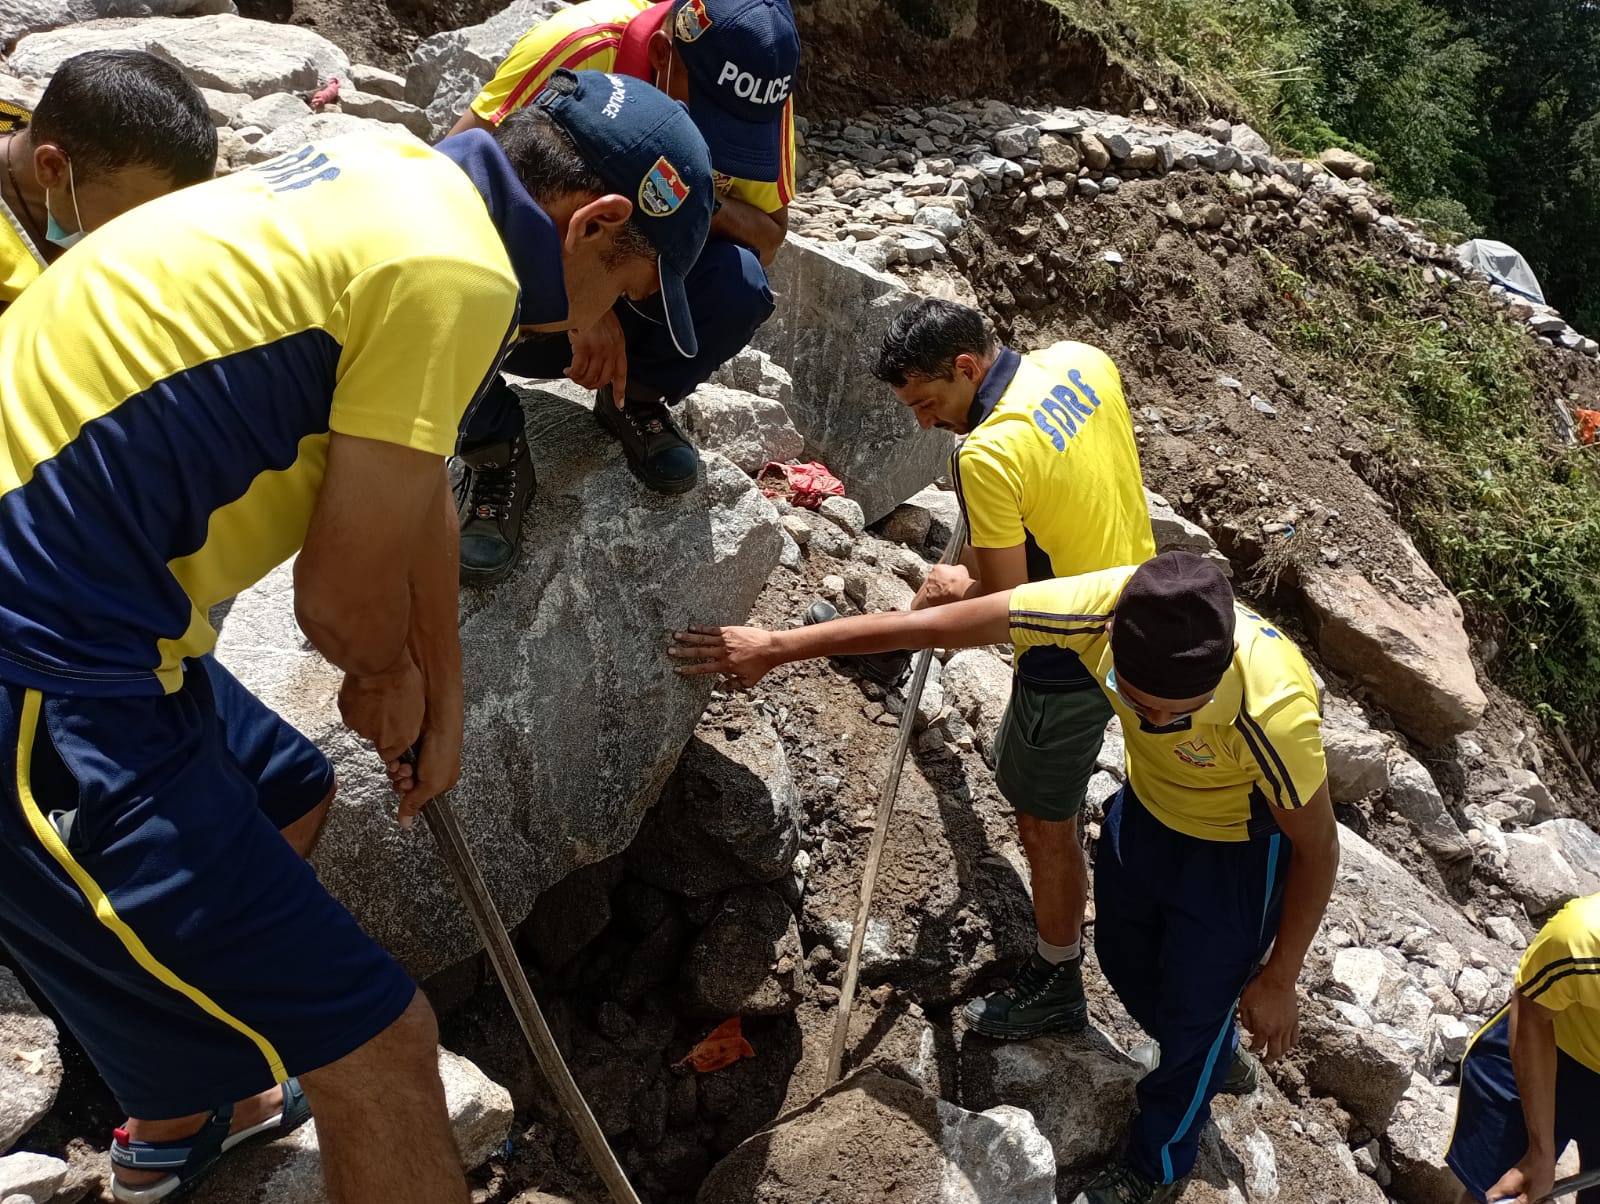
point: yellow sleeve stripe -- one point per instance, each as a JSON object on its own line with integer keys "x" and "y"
{"x": 786, "y": 155}
{"x": 46, "y": 834}
{"x": 1268, "y": 759}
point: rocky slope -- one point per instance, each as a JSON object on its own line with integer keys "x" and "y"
{"x": 662, "y": 888}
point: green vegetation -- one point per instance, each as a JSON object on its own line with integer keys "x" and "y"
{"x": 1483, "y": 115}
{"x": 1509, "y": 520}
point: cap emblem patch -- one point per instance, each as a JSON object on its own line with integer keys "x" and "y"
{"x": 691, "y": 20}
{"x": 662, "y": 190}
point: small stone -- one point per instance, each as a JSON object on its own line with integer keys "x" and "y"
{"x": 1142, "y": 158}
{"x": 1262, "y": 406}
{"x": 1088, "y": 188}
{"x": 1094, "y": 152}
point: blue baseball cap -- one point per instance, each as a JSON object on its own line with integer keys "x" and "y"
{"x": 742, "y": 57}
{"x": 645, "y": 147}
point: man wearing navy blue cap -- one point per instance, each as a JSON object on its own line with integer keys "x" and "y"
{"x": 276, "y": 362}
{"x": 733, "y": 63}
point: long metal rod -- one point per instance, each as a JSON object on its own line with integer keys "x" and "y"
{"x": 1572, "y": 1185}
{"x": 880, "y": 833}
{"x": 446, "y": 828}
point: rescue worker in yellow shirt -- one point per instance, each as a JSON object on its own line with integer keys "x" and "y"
{"x": 1530, "y": 1082}
{"x": 114, "y": 128}
{"x": 733, "y": 62}
{"x": 1217, "y": 858}
{"x": 1048, "y": 479}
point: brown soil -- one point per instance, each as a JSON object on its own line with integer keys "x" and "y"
{"x": 374, "y": 31}
{"x": 1018, "y": 49}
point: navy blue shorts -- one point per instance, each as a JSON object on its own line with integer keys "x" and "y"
{"x": 1490, "y": 1136}
{"x": 147, "y": 891}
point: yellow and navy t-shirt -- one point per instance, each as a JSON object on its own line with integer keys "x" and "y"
{"x": 167, "y": 391}
{"x": 20, "y": 260}
{"x": 1561, "y": 971}
{"x": 612, "y": 35}
{"x": 1051, "y": 463}
{"x": 1255, "y": 746}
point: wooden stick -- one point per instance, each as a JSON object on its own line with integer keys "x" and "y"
{"x": 880, "y": 833}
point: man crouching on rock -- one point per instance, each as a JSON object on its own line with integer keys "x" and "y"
{"x": 1530, "y": 1082}
{"x": 273, "y": 362}
{"x": 1221, "y": 846}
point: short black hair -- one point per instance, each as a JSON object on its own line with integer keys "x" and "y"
{"x": 110, "y": 109}
{"x": 550, "y": 166}
{"x": 925, "y": 338}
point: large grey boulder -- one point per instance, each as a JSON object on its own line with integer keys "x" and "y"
{"x": 831, "y": 316}
{"x": 1418, "y": 1137}
{"x": 31, "y": 1176}
{"x": 1538, "y": 874}
{"x": 749, "y": 429}
{"x": 228, "y": 53}
{"x": 873, "y": 1138}
{"x": 385, "y": 108}
{"x": 1079, "y": 1087}
{"x": 291, "y": 1169}
{"x": 1358, "y": 762}
{"x": 30, "y": 1063}
{"x": 978, "y": 684}
{"x": 19, "y": 17}
{"x": 1364, "y": 1070}
{"x": 1412, "y": 653}
{"x": 748, "y": 960}
{"x": 575, "y": 718}
{"x": 730, "y": 815}
{"x": 1413, "y": 794}
{"x": 316, "y": 127}
{"x": 1174, "y": 533}
{"x": 1579, "y": 846}
{"x": 448, "y": 69}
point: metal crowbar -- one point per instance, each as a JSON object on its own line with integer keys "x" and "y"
{"x": 880, "y": 832}
{"x": 441, "y": 819}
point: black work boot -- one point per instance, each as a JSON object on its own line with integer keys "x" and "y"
{"x": 885, "y": 668}
{"x": 1122, "y": 1184}
{"x": 1043, "y": 998}
{"x": 494, "y": 490}
{"x": 1243, "y": 1075}
{"x": 657, "y": 452}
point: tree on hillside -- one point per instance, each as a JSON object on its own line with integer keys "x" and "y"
{"x": 1535, "y": 176}
{"x": 1395, "y": 79}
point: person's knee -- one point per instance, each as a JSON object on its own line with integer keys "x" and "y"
{"x": 404, "y": 1051}
{"x": 1058, "y": 836}
{"x": 304, "y": 832}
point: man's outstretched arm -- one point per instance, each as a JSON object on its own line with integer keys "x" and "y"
{"x": 747, "y": 653}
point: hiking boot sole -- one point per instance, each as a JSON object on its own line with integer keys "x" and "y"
{"x": 1070, "y": 1023}
{"x": 656, "y": 484}
{"x": 477, "y": 576}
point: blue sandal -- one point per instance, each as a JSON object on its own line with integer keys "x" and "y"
{"x": 187, "y": 1159}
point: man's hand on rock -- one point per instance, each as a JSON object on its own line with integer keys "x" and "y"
{"x": 742, "y": 653}
{"x": 600, "y": 356}
{"x": 1270, "y": 1012}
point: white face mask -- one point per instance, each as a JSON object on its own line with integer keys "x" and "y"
{"x": 52, "y": 228}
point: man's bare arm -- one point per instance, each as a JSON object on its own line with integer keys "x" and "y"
{"x": 470, "y": 121}
{"x": 747, "y": 653}
{"x": 354, "y": 582}
{"x": 741, "y": 222}
{"x": 1269, "y": 1008}
{"x": 1533, "y": 1058}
